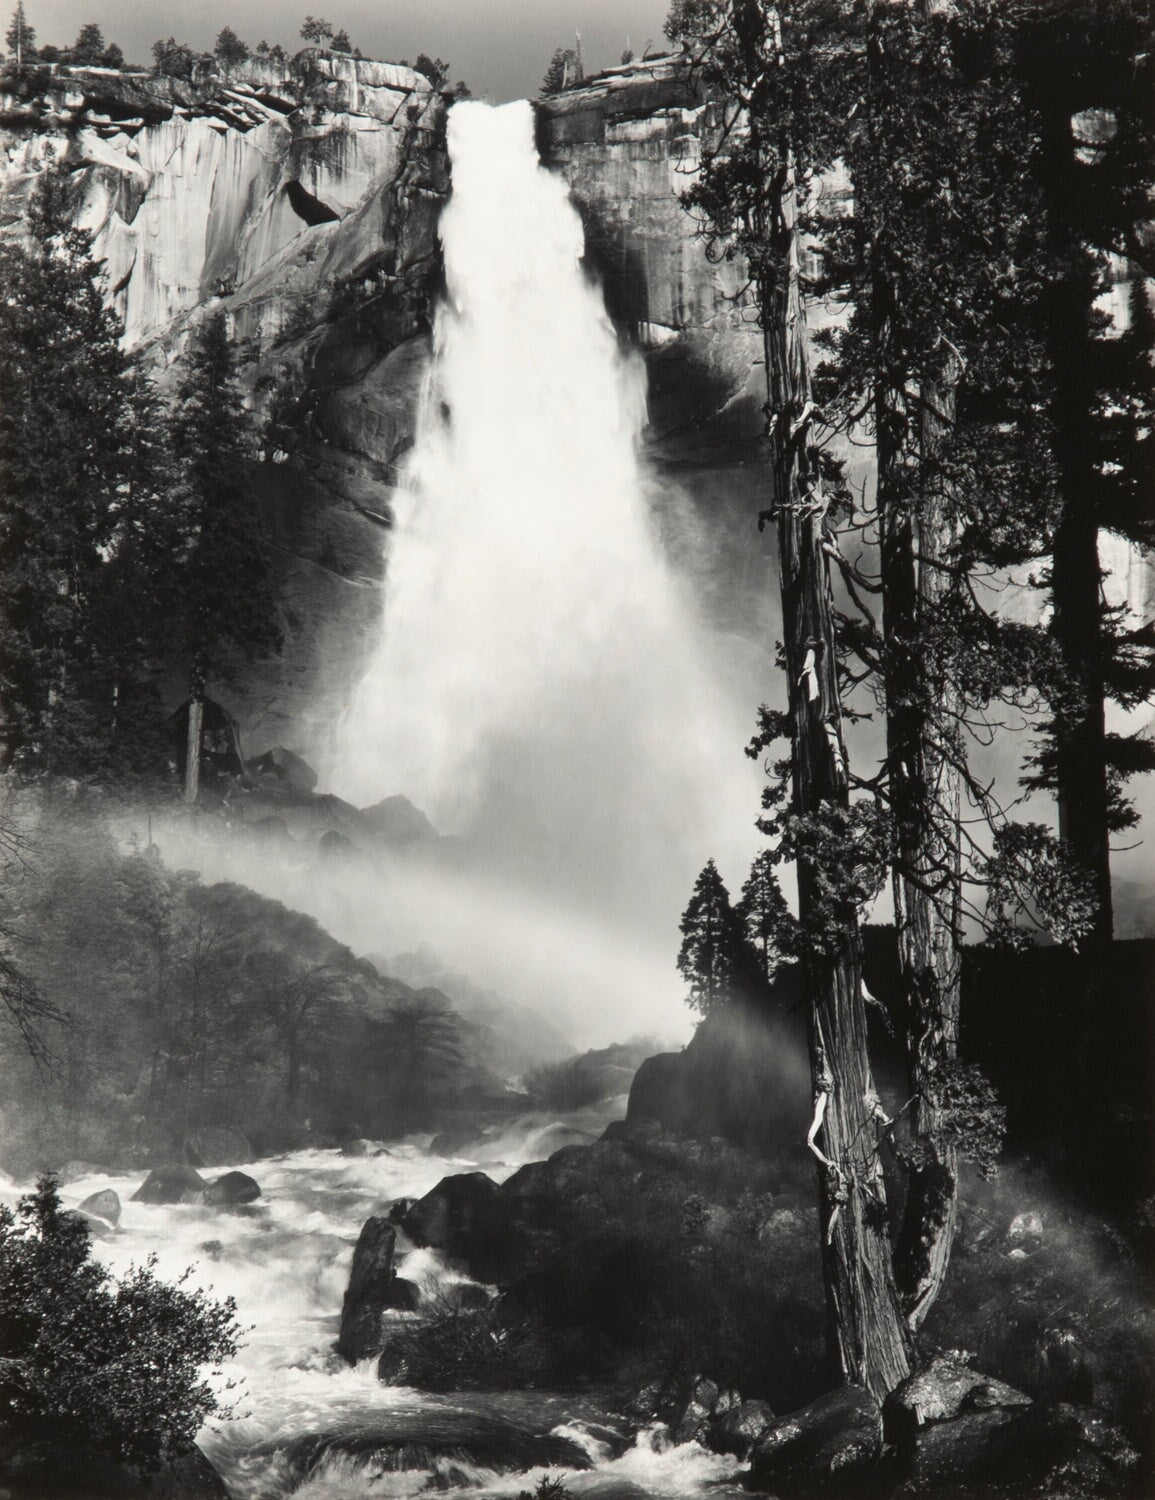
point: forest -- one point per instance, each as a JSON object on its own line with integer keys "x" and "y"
{"x": 906, "y": 1157}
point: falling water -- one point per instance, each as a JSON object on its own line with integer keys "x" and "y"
{"x": 541, "y": 683}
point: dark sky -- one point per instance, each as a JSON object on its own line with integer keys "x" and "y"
{"x": 500, "y": 47}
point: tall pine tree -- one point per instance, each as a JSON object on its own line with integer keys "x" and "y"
{"x": 225, "y": 599}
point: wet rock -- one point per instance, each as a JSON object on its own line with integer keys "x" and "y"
{"x": 218, "y": 1146}
{"x": 463, "y": 1216}
{"x": 699, "y": 1403}
{"x": 402, "y": 1296}
{"x": 285, "y": 767}
{"x": 740, "y": 1429}
{"x": 174, "y": 1183}
{"x": 104, "y": 1205}
{"x": 99, "y": 1229}
{"x": 370, "y": 1290}
{"x": 232, "y": 1188}
{"x": 831, "y": 1445}
{"x": 396, "y": 821}
{"x": 1046, "y": 1449}
{"x": 947, "y": 1386}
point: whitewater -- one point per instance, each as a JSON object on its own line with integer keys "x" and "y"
{"x": 286, "y": 1261}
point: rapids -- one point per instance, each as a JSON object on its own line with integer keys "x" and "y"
{"x": 286, "y": 1262}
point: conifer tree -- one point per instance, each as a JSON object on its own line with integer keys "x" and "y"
{"x": 20, "y": 38}
{"x": 763, "y": 912}
{"x": 65, "y": 425}
{"x": 715, "y": 958}
{"x": 225, "y": 600}
{"x": 89, "y": 45}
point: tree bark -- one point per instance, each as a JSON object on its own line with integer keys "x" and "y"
{"x": 866, "y": 1327}
{"x": 196, "y": 713}
{"x": 924, "y": 755}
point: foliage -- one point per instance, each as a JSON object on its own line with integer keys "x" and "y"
{"x": 317, "y": 30}
{"x": 229, "y": 49}
{"x": 1035, "y": 882}
{"x": 434, "y": 69}
{"x": 564, "y": 1085}
{"x": 564, "y": 71}
{"x": 340, "y": 41}
{"x": 76, "y": 678}
{"x": 548, "y": 1488}
{"x": 715, "y": 959}
{"x": 224, "y": 601}
{"x": 20, "y": 38}
{"x": 104, "y": 1364}
{"x": 89, "y": 46}
{"x": 763, "y": 911}
{"x": 173, "y": 59}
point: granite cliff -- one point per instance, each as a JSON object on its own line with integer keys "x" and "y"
{"x": 303, "y": 202}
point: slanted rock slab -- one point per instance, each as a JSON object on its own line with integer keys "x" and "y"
{"x": 370, "y": 1291}
{"x": 939, "y": 1393}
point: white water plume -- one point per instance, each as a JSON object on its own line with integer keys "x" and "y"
{"x": 542, "y": 684}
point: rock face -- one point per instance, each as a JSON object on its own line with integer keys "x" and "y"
{"x": 218, "y": 1146}
{"x": 301, "y": 203}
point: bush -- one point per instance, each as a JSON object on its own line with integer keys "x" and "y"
{"x": 565, "y": 1085}
{"x": 92, "y": 1362}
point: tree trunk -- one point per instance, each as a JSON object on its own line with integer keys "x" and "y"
{"x": 925, "y": 754}
{"x": 196, "y": 713}
{"x": 866, "y": 1327}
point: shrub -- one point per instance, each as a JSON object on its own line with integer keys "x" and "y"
{"x": 565, "y": 1085}
{"x": 93, "y": 1362}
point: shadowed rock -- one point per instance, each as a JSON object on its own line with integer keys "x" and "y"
{"x": 831, "y": 1445}
{"x": 233, "y": 1187}
{"x": 174, "y": 1183}
{"x": 370, "y": 1292}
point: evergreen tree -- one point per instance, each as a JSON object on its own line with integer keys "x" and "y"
{"x": 65, "y": 440}
{"x": 20, "y": 38}
{"x": 563, "y": 71}
{"x": 317, "y": 30}
{"x": 226, "y": 603}
{"x": 1087, "y": 68}
{"x": 173, "y": 59}
{"x": 341, "y": 42}
{"x": 763, "y": 912}
{"x": 715, "y": 958}
{"x": 89, "y": 45}
{"x": 229, "y": 49}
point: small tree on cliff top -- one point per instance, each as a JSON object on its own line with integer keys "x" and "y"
{"x": 715, "y": 958}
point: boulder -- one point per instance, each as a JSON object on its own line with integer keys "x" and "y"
{"x": 1047, "y": 1359}
{"x": 218, "y": 1146}
{"x": 831, "y": 1445}
{"x": 699, "y": 1403}
{"x": 232, "y": 1188}
{"x": 740, "y": 1428}
{"x": 99, "y": 1229}
{"x": 284, "y": 766}
{"x": 395, "y": 820}
{"x": 1040, "y": 1449}
{"x": 174, "y": 1183}
{"x": 939, "y": 1393}
{"x": 104, "y": 1205}
{"x": 464, "y": 1217}
{"x": 462, "y": 1296}
{"x": 370, "y": 1291}
{"x": 402, "y": 1295}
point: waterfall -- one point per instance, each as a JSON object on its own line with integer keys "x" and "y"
{"x": 541, "y": 683}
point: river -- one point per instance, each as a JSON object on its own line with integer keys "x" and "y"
{"x": 286, "y": 1262}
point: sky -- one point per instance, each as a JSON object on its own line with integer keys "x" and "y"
{"x": 501, "y": 48}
